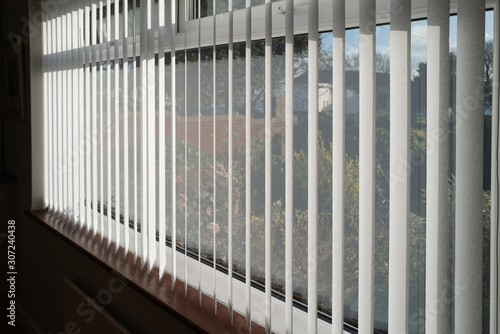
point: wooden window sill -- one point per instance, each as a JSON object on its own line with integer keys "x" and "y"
{"x": 188, "y": 310}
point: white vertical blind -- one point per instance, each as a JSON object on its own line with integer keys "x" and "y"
{"x": 185, "y": 213}
{"x": 469, "y": 170}
{"x": 367, "y": 161}
{"x": 199, "y": 153}
{"x": 338, "y": 168}
{"x": 58, "y": 120}
{"x": 93, "y": 129}
{"x": 76, "y": 64}
{"x": 145, "y": 228}
{"x": 312, "y": 167}
{"x": 87, "y": 115}
{"x": 47, "y": 96}
{"x": 399, "y": 165}
{"x": 53, "y": 120}
{"x": 117, "y": 108}
{"x": 46, "y": 117}
{"x": 70, "y": 122}
{"x": 268, "y": 159}
{"x": 101, "y": 130}
{"x": 53, "y": 108}
{"x": 116, "y": 125}
{"x": 150, "y": 144}
{"x": 161, "y": 136}
{"x": 126, "y": 131}
{"x": 173, "y": 231}
{"x": 230, "y": 163}
{"x": 135, "y": 117}
{"x": 248, "y": 155}
{"x": 437, "y": 231}
{"x": 214, "y": 152}
{"x": 69, "y": 118}
{"x": 64, "y": 119}
{"x": 109, "y": 174}
{"x": 81, "y": 109}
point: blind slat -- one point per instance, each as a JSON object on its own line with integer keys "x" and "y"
{"x": 88, "y": 112}
{"x": 469, "y": 166}
{"x": 48, "y": 112}
{"x": 144, "y": 131}
{"x": 46, "y": 117}
{"x": 135, "y": 125}
{"x": 399, "y": 165}
{"x": 74, "y": 105}
{"x": 214, "y": 105}
{"x": 93, "y": 129}
{"x": 57, "y": 106}
{"x": 173, "y": 30}
{"x": 161, "y": 135}
{"x": 81, "y": 110}
{"x": 126, "y": 131}
{"x": 109, "y": 174}
{"x": 151, "y": 146}
{"x": 437, "y": 233}
{"x": 200, "y": 295}
{"x": 268, "y": 160}
{"x": 69, "y": 117}
{"x": 312, "y": 168}
{"x": 52, "y": 109}
{"x": 76, "y": 112}
{"x": 366, "y": 162}
{"x": 102, "y": 130}
{"x": 248, "y": 154}
{"x": 116, "y": 129}
{"x": 230, "y": 164}
{"x": 63, "y": 162}
{"x": 185, "y": 164}
{"x": 58, "y": 130}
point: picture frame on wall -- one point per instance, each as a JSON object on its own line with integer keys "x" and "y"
{"x": 12, "y": 74}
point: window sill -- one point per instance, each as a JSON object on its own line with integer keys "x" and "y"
{"x": 188, "y": 310}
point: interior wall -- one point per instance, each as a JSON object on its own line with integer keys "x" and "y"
{"x": 15, "y": 197}
{"x": 42, "y": 258}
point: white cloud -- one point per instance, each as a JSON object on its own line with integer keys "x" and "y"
{"x": 419, "y": 35}
{"x": 385, "y": 50}
{"x": 414, "y": 73}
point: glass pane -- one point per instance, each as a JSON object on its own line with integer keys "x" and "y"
{"x": 418, "y": 175}
{"x": 207, "y": 209}
{"x": 300, "y": 182}
{"x": 382, "y": 196}
{"x": 192, "y": 152}
{"x": 168, "y": 146}
{"x": 488, "y": 108}
{"x": 239, "y": 159}
{"x": 180, "y": 147}
{"x": 221, "y": 149}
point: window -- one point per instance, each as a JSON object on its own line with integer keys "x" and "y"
{"x": 284, "y": 164}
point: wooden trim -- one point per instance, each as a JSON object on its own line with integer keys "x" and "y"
{"x": 186, "y": 309}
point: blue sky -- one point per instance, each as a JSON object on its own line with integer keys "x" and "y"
{"x": 418, "y": 38}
